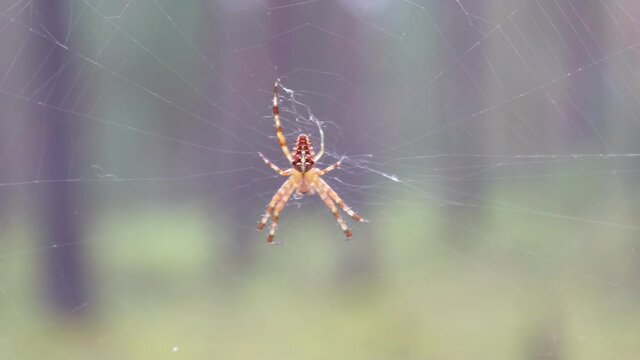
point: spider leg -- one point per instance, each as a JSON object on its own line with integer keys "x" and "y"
{"x": 276, "y": 213}
{"x": 329, "y": 168}
{"x": 334, "y": 196}
{"x": 274, "y": 167}
{"x": 321, "y": 152}
{"x": 276, "y": 118}
{"x": 322, "y": 192}
{"x": 272, "y": 204}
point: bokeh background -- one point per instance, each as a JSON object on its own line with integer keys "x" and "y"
{"x": 493, "y": 145}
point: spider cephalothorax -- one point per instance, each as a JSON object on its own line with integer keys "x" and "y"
{"x": 303, "y": 154}
{"x": 303, "y": 178}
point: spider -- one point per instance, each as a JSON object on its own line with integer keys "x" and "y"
{"x": 303, "y": 178}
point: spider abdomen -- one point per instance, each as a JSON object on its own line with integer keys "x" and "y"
{"x": 303, "y": 154}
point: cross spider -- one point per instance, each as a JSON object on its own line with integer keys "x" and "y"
{"x": 303, "y": 178}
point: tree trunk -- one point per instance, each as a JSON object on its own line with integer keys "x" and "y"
{"x": 461, "y": 96}
{"x": 229, "y": 85}
{"x": 64, "y": 271}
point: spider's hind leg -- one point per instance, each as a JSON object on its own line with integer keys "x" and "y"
{"x": 276, "y": 117}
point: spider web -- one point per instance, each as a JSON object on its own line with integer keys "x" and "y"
{"x": 493, "y": 146}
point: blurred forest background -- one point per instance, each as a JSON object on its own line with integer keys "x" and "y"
{"x": 493, "y": 145}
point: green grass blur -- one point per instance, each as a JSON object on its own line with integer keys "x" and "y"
{"x": 528, "y": 285}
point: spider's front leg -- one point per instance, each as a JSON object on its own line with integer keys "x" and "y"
{"x": 276, "y": 215}
{"x": 326, "y": 199}
{"x": 334, "y": 196}
{"x": 272, "y": 204}
{"x": 274, "y": 208}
